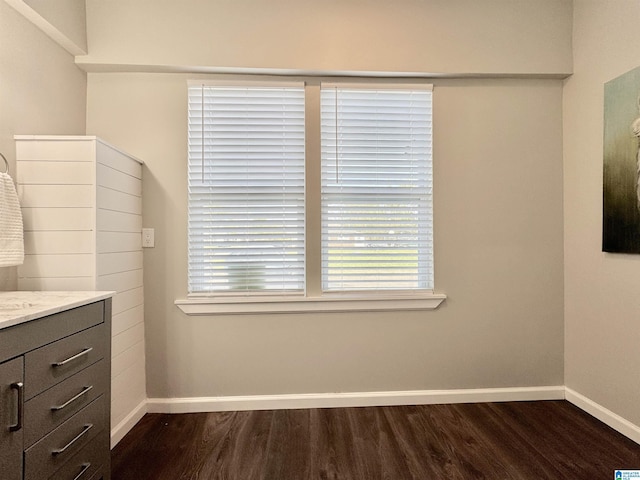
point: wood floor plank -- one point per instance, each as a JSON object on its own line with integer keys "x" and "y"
{"x": 288, "y": 459}
{"x": 550, "y": 438}
{"x": 395, "y": 460}
{"x": 339, "y": 447}
{"x": 215, "y": 444}
{"x": 467, "y": 448}
{"x": 510, "y": 441}
{"x": 421, "y": 455}
{"x": 248, "y": 453}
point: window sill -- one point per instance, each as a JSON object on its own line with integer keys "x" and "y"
{"x": 270, "y": 305}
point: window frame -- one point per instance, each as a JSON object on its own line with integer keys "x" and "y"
{"x": 313, "y": 299}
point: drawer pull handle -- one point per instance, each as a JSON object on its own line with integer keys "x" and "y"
{"x": 71, "y": 359}
{"x": 85, "y": 467}
{"x": 85, "y": 429}
{"x": 20, "y": 388}
{"x": 71, "y": 400}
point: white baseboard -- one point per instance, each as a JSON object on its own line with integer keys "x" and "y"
{"x": 372, "y": 399}
{"x": 357, "y": 399}
{"x": 603, "y": 414}
{"x": 120, "y": 430}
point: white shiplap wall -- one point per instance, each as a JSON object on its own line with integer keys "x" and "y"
{"x": 82, "y": 205}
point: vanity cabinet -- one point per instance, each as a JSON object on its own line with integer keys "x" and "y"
{"x": 55, "y": 396}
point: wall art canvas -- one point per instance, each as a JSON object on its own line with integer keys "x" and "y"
{"x": 621, "y": 188}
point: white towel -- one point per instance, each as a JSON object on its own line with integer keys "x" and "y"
{"x": 11, "y": 233}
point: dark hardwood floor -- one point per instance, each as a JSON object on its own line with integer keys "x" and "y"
{"x": 496, "y": 441}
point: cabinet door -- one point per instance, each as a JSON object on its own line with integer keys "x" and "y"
{"x": 11, "y": 393}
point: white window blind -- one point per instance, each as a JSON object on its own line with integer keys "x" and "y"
{"x": 376, "y": 188}
{"x": 246, "y": 188}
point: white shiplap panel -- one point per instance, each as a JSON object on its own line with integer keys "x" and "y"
{"x": 53, "y": 283}
{"x": 80, "y": 265}
{"x": 112, "y": 242}
{"x": 43, "y": 242}
{"x": 128, "y": 378}
{"x": 126, "y": 359}
{"x": 55, "y": 173}
{"x": 59, "y": 219}
{"x": 127, "y": 339}
{"x": 72, "y": 196}
{"x": 116, "y": 180}
{"x": 58, "y": 187}
{"x": 127, "y": 319}
{"x": 128, "y": 390}
{"x": 120, "y": 282}
{"x": 119, "y": 161}
{"x": 69, "y": 150}
{"x": 109, "y": 263}
{"x": 126, "y": 300}
{"x": 109, "y": 221}
{"x": 118, "y": 201}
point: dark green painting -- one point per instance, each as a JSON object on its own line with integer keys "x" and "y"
{"x": 621, "y": 212}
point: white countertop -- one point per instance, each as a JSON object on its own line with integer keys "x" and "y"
{"x": 20, "y": 307}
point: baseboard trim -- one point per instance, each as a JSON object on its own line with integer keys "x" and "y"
{"x": 615, "y": 421}
{"x": 372, "y": 399}
{"x": 120, "y": 430}
{"x": 356, "y": 399}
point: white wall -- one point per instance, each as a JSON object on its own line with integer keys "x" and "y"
{"x": 498, "y": 188}
{"x": 421, "y": 36}
{"x": 602, "y": 305}
{"x": 41, "y": 91}
{"x": 69, "y": 17}
{"x": 498, "y": 224}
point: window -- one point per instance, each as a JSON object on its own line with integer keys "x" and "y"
{"x": 376, "y": 188}
{"x": 246, "y": 188}
{"x": 283, "y": 210}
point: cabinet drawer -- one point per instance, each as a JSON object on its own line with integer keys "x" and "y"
{"x": 28, "y": 336}
{"x": 57, "y": 448}
{"x": 57, "y": 361}
{"x": 52, "y": 407}
{"x": 99, "y": 475}
{"x": 87, "y": 463}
